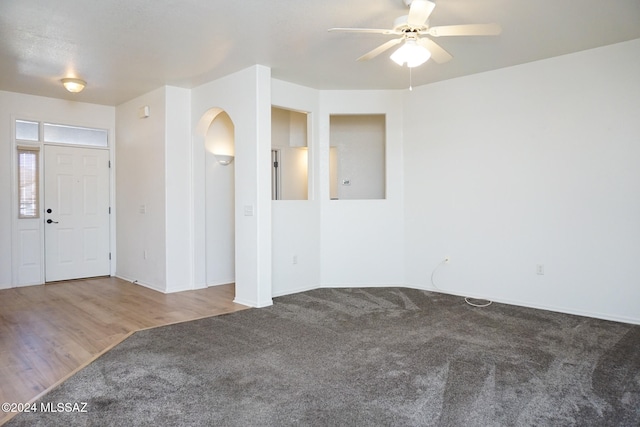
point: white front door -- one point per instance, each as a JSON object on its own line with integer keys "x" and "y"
{"x": 76, "y": 212}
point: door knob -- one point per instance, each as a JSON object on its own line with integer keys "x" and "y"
{"x": 50, "y": 221}
{"x": 49, "y": 211}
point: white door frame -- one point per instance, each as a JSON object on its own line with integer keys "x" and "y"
{"x": 38, "y": 227}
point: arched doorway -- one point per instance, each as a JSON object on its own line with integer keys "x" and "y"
{"x": 218, "y": 133}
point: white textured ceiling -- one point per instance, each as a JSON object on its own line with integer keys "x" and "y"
{"x": 124, "y": 48}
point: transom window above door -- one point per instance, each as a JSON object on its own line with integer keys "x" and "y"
{"x": 61, "y": 134}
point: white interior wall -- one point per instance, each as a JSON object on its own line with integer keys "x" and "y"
{"x": 280, "y": 128}
{"x": 362, "y": 240}
{"x": 296, "y": 223}
{"x": 298, "y": 132}
{"x": 178, "y": 192}
{"x": 220, "y": 222}
{"x": 294, "y": 173}
{"x": 296, "y": 178}
{"x": 37, "y": 108}
{"x": 141, "y": 194}
{"x": 220, "y": 204}
{"x": 333, "y": 173}
{"x": 246, "y": 97}
{"x": 533, "y": 164}
{"x": 219, "y": 138}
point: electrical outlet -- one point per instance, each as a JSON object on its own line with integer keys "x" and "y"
{"x": 295, "y": 259}
{"x": 540, "y": 269}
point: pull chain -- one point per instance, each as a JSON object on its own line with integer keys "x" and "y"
{"x": 410, "y": 81}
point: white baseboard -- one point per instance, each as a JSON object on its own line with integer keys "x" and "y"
{"x": 565, "y": 310}
{"x": 211, "y": 285}
{"x": 557, "y": 309}
{"x": 136, "y": 282}
{"x": 254, "y": 304}
{"x": 294, "y": 291}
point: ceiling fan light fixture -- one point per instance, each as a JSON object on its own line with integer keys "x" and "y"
{"x": 411, "y": 53}
{"x": 73, "y": 85}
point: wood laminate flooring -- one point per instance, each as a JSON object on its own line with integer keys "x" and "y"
{"x": 48, "y": 332}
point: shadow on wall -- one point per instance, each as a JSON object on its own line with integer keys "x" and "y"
{"x": 219, "y": 139}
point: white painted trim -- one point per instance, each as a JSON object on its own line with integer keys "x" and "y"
{"x": 15, "y": 247}
{"x": 519, "y": 303}
{"x": 145, "y": 285}
{"x": 13, "y": 200}
{"x": 296, "y": 291}
{"x": 220, "y": 283}
{"x": 253, "y": 304}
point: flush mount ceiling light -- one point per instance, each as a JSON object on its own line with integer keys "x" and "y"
{"x": 73, "y": 85}
{"x": 411, "y": 53}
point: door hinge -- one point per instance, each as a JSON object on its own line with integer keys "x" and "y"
{"x": 109, "y": 210}
{"x": 275, "y": 164}
{"x": 109, "y": 164}
{"x": 109, "y": 255}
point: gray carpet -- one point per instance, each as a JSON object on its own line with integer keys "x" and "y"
{"x": 364, "y": 357}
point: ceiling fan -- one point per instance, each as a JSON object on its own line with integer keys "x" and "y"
{"x": 414, "y": 31}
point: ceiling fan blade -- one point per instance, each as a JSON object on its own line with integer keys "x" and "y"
{"x": 466, "y": 30}
{"x": 438, "y": 54}
{"x": 365, "y": 30}
{"x": 419, "y": 12}
{"x": 377, "y": 51}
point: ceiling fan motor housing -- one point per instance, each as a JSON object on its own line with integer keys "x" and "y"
{"x": 401, "y": 24}
{"x": 408, "y": 2}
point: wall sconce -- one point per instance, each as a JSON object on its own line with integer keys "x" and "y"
{"x": 73, "y": 85}
{"x": 223, "y": 159}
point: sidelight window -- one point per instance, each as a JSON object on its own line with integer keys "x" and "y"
{"x": 28, "y": 182}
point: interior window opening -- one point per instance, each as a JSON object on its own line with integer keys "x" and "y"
{"x": 289, "y": 155}
{"x": 357, "y": 157}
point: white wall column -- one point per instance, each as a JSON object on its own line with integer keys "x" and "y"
{"x": 245, "y": 97}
